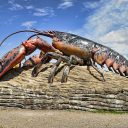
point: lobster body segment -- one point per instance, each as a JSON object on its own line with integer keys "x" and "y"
{"x": 68, "y": 50}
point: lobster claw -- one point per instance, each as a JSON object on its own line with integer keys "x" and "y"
{"x": 11, "y": 59}
{"x": 1, "y": 65}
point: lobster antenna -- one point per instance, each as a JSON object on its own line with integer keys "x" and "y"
{"x": 34, "y": 31}
{"x": 34, "y": 35}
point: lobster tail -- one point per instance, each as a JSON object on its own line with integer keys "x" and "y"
{"x": 113, "y": 60}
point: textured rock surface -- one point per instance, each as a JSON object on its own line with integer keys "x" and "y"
{"x": 82, "y": 91}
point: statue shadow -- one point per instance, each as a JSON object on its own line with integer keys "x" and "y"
{"x": 12, "y": 74}
{"x": 17, "y": 71}
{"x": 96, "y": 77}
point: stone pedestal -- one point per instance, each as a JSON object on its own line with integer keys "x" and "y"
{"x": 82, "y": 91}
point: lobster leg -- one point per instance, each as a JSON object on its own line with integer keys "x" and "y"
{"x": 48, "y": 56}
{"x": 53, "y": 71}
{"x": 103, "y": 79}
{"x": 11, "y": 59}
{"x": 69, "y": 60}
{"x": 72, "y": 60}
{"x": 96, "y": 68}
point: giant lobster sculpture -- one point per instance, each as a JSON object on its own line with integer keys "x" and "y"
{"x": 67, "y": 47}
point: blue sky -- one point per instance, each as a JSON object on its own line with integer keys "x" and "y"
{"x": 104, "y": 21}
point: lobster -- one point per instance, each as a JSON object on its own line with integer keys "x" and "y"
{"x": 74, "y": 49}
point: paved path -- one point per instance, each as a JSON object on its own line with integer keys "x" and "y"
{"x": 60, "y": 119}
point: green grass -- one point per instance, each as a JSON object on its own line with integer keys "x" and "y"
{"x": 102, "y": 111}
{"x": 110, "y": 111}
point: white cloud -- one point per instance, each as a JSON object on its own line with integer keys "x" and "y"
{"x": 117, "y": 40}
{"x": 111, "y": 15}
{"x": 28, "y": 24}
{"x": 109, "y": 25}
{"x": 65, "y": 4}
{"x": 47, "y": 11}
{"x": 91, "y": 5}
{"x": 11, "y": 1}
{"x": 29, "y": 7}
{"x": 14, "y": 6}
{"x": 119, "y": 35}
{"x": 120, "y": 48}
{"x": 11, "y": 20}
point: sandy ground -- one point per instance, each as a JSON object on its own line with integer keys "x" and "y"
{"x": 60, "y": 119}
